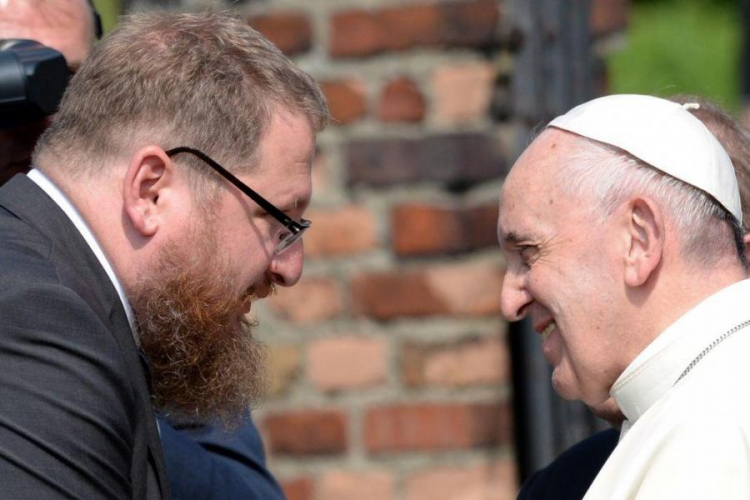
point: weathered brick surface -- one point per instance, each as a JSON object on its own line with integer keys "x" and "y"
{"x": 422, "y": 229}
{"x": 463, "y": 93}
{"x": 290, "y": 31}
{"x": 357, "y": 33}
{"x": 346, "y": 100}
{"x": 456, "y": 159}
{"x": 493, "y": 481}
{"x": 464, "y": 362}
{"x": 321, "y": 174}
{"x": 285, "y": 362}
{"x": 345, "y": 231}
{"x": 460, "y": 290}
{"x": 608, "y": 16}
{"x": 306, "y": 432}
{"x": 434, "y": 427}
{"x": 340, "y": 363}
{"x": 312, "y": 300}
{"x": 345, "y": 485}
{"x": 401, "y": 101}
{"x": 298, "y": 488}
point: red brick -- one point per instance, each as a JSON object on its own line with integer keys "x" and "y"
{"x": 344, "y": 485}
{"x": 424, "y": 229}
{"x": 300, "y": 488}
{"x": 340, "y": 363}
{"x": 607, "y": 16}
{"x": 285, "y": 364}
{"x": 309, "y": 432}
{"x": 401, "y": 101}
{"x": 290, "y": 31}
{"x": 458, "y": 290}
{"x": 312, "y": 300}
{"x": 357, "y": 33}
{"x": 345, "y": 231}
{"x": 346, "y": 100}
{"x": 458, "y": 160}
{"x": 412, "y": 26}
{"x": 433, "y": 427}
{"x": 462, "y": 93}
{"x": 493, "y": 481}
{"x": 468, "y": 361}
{"x": 321, "y": 174}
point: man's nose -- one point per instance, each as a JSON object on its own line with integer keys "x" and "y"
{"x": 286, "y": 267}
{"x": 515, "y": 297}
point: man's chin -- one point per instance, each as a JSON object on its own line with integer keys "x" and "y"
{"x": 564, "y": 387}
{"x": 205, "y": 363}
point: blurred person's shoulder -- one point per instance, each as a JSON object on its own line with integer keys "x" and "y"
{"x": 572, "y": 472}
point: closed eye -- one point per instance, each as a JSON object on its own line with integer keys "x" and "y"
{"x": 528, "y": 254}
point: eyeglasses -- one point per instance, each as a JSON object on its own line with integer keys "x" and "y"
{"x": 295, "y": 229}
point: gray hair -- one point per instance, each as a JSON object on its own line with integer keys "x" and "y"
{"x": 706, "y": 230}
{"x": 736, "y": 141}
{"x": 204, "y": 80}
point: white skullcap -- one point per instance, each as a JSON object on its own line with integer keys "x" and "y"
{"x": 662, "y": 134}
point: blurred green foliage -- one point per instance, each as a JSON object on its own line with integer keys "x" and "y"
{"x": 108, "y": 10}
{"x": 681, "y": 46}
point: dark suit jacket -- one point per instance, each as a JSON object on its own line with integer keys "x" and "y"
{"x": 76, "y": 419}
{"x": 205, "y": 463}
{"x": 570, "y": 475}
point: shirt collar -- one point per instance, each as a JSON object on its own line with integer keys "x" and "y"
{"x": 656, "y": 369}
{"x": 75, "y": 217}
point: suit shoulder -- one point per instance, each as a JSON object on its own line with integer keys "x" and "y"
{"x": 24, "y": 251}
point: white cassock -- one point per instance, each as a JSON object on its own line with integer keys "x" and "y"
{"x": 686, "y": 398}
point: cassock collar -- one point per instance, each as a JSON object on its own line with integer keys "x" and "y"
{"x": 75, "y": 217}
{"x": 656, "y": 369}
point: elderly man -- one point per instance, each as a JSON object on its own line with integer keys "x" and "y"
{"x": 137, "y": 232}
{"x": 570, "y": 475}
{"x": 621, "y": 225}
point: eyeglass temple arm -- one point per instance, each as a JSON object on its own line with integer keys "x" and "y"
{"x": 257, "y": 198}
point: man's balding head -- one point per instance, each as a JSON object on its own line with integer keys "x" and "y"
{"x": 64, "y": 25}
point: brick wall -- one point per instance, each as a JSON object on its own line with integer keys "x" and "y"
{"x": 390, "y": 362}
{"x": 390, "y": 366}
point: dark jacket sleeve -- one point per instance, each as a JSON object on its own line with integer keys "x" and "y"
{"x": 207, "y": 462}
{"x": 570, "y": 475}
{"x": 66, "y": 407}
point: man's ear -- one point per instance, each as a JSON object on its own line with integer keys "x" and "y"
{"x": 149, "y": 172}
{"x": 645, "y": 241}
{"x": 747, "y": 246}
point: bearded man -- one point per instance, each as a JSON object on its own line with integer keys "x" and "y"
{"x": 133, "y": 250}
{"x": 622, "y": 229}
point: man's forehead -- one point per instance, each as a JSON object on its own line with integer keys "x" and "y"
{"x": 513, "y": 216}
{"x": 530, "y": 196}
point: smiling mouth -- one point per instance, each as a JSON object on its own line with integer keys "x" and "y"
{"x": 548, "y": 331}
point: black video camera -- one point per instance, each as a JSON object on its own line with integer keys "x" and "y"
{"x": 33, "y": 78}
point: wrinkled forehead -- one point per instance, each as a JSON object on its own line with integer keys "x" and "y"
{"x": 530, "y": 190}
{"x": 539, "y": 165}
